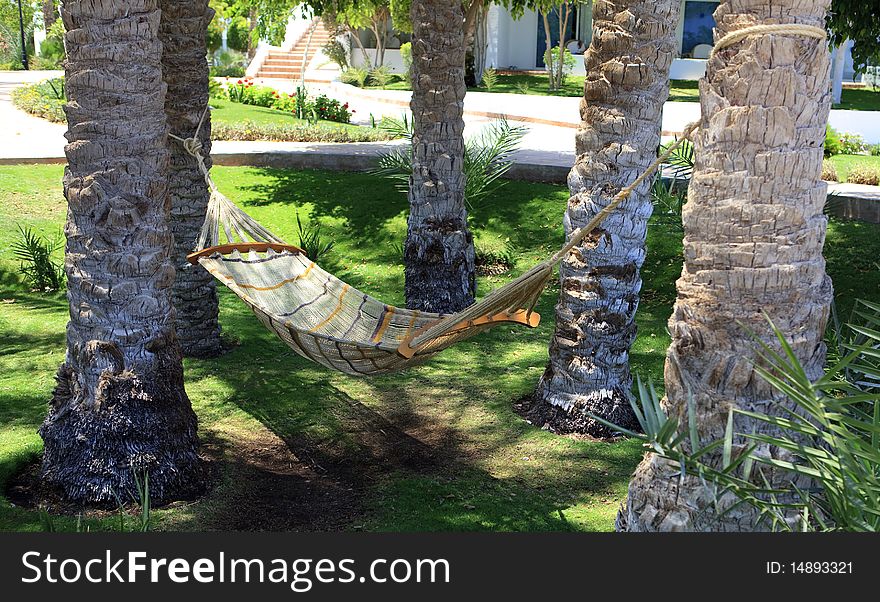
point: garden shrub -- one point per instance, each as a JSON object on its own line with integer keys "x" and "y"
{"x": 864, "y": 174}
{"x": 356, "y": 76}
{"x": 829, "y": 171}
{"x": 380, "y": 77}
{"x": 852, "y": 144}
{"x": 215, "y": 90}
{"x": 331, "y": 109}
{"x": 832, "y": 142}
{"x": 37, "y": 264}
{"x": 490, "y": 78}
{"x": 875, "y": 150}
{"x": 45, "y": 99}
{"x": 249, "y": 131}
{"x": 406, "y": 57}
{"x": 323, "y": 107}
{"x": 335, "y": 51}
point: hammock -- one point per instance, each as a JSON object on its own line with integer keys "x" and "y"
{"x": 329, "y": 322}
{"x": 334, "y": 324}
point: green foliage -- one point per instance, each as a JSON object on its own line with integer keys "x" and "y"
{"x": 493, "y": 255}
{"x": 406, "y": 57}
{"x": 682, "y": 160}
{"x": 244, "y": 91}
{"x": 668, "y": 202}
{"x": 380, "y": 76}
{"x": 295, "y": 132}
{"x": 215, "y": 89}
{"x": 237, "y": 33}
{"x": 556, "y": 74}
{"x": 864, "y": 174}
{"x": 833, "y": 144}
{"x": 311, "y": 242}
{"x": 45, "y": 99}
{"x": 356, "y": 76}
{"x": 34, "y": 253}
{"x": 228, "y": 63}
{"x": 335, "y": 51}
{"x": 144, "y": 521}
{"x": 10, "y": 36}
{"x": 852, "y": 144}
{"x": 874, "y": 151}
{"x": 831, "y": 433}
{"x": 859, "y": 21}
{"x": 487, "y": 157}
{"x": 490, "y": 79}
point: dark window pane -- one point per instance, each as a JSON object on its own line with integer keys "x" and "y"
{"x": 698, "y": 24}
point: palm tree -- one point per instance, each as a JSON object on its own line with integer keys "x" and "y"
{"x": 439, "y": 250}
{"x": 119, "y": 408}
{"x": 754, "y": 232}
{"x": 183, "y": 31}
{"x": 627, "y": 84}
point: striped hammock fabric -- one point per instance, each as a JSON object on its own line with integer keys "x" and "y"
{"x": 332, "y": 323}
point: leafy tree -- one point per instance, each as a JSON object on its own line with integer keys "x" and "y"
{"x": 858, "y": 21}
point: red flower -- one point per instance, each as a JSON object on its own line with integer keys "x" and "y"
{"x": 239, "y": 81}
{"x": 345, "y": 106}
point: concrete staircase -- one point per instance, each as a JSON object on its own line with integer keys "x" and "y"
{"x": 288, "y": 64}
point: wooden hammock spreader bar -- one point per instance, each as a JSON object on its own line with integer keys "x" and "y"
{"x": 522, "y": 317}
{"x": 242, "y": 247}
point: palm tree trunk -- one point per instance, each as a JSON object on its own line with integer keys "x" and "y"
{"x": 627, "y": 84}
{"x": 119, "y": 407}
{"x": 183, "y": 31}
{"x": 50, "y": 15}
{"x": 754, "y": 232}
{"x": 439, "y": 251}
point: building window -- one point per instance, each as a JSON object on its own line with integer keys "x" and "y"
{"x": 698, "y": 24}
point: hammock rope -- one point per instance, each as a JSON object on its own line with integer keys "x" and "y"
{"x": 329, "y": 322}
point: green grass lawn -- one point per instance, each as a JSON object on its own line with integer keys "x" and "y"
{"x": 441, "y": 444}
{"x": 680, "y": 90}
{"x": 845, "y": 163}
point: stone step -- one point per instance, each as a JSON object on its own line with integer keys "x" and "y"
{"x": 278, "y": 74}
{"x": 283, "y": 62}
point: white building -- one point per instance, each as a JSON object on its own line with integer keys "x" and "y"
{"x": 519, "y": 44}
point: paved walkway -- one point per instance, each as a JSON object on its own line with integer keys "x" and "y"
{"x": 546, "y": 153}
{"x": 26, "y": 136}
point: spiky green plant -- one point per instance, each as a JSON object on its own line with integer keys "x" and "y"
{"x": 35, "y": 255}
{"x": 487, "y": 157}
{"x": 311, "y": 242}
{"x": 490, "y": 79}
{"x": 831, "y": 433}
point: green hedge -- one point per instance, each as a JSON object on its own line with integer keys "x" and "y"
{"x": 250, "y": 131}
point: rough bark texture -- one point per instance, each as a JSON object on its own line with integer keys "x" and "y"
{"x": 754, "y": 232}
{"x": 119, "y": 406}
{"x": 183, "y": 30}
{"x": 628, "y": 64}
{"x": 439, "y": 251}
{"x": 50, "y": 15}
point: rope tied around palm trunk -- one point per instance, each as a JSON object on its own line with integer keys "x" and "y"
{"x": 781, "y": 29}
